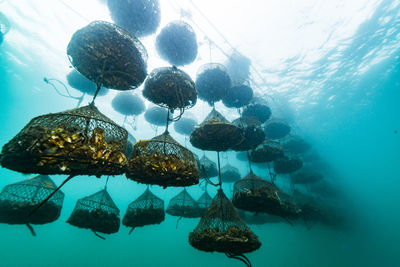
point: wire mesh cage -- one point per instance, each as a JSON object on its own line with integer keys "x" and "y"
{"x": 128, "y": 104}
{"x": 276, "y": 129}
{"x": 305, "y": 176}
{"x": 17, "y": 200}
{"x": 266, "y": 152}
{"x": 83, "y": 84}
{"x": 238, "y": 67}
{"x": 156, "y": 116}
{"x": 238, "y": 96}
{"x": 253, "y": 134}
{"x": 260, "y": 112}
{"x": 108, "y": 55}
{"x": 139, "y": 17}
{"x": 212, "y": 82}
{"x": 229, "y": 174}
{"x": 96, "y": 212}
{"x": 216, "y": 133}
{"x": 184, "y": 205}
{"x": 162, "y": 161}
{"x": 295, "y": 145}
{"x": 145, "y": 210}
{"x": 177, "y": 43}
{"x": 204, "y": 202}
{"x": 208, "y": 168}
{"x": 79, "y": 141}
{"x": 287, "y": 164}
{"x": 171, "y": 88}
{"x": 222, "y": 230}
{"x": 185, "y": 126}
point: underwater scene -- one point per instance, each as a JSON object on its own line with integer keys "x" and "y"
{"x": 200, "y": 133}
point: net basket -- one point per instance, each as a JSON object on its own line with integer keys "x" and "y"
{"x": 260, "y": 112}
{"x": 204, "y": 202}
{"x": 208, "y": 168}
{"x": 253, "y": 134}
{"x": 79, "y": 141}
{"x": 305, "y": 176}
{"x": 295, "y": 145}
{"x": 128, "y": 104}
{"x": 266, "y": 152}
{"x": 287, "y": 165}
{"x": 276, "y": 129}
{"x": 238, "y": 96}
{"x": 229, "y": 174}
{"x": 183, "y": 205}
{"x": 83, "y": 84}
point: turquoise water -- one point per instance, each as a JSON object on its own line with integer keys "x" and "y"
{"x": 332, "y": 70}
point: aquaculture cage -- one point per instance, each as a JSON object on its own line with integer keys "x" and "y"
{"x": 238, "y": 68}
{"x": 253, "y": 134}
{"x": 216, "y": 133}
{"x": 295, "y": 145}
{"x": 162, "y": 161}
{"x": 79, "y": 141}
{"x": 177, "y": 43}
{"x": 207, "y": 167}
{"x": 183, "y": 205}
{"x": 305, "y": 176}
{"x": 266, "y": 152}
{"x": 222, "y": 230}
{"x": 238, "y": 96}
{"x": 19, "y": 199}
{"x": 229, "y": 174}
{"x": 156, "y": 116}
{"x": 128, "y": 104}
{"x": 171, "y": 88}
{"x": 108, "y": 55}
{"x": 96, "y": 212}
{"x": 147, "y": 209}
{"x": 212, "y": 82}
{"x": 287, "y": 165}
{"x": 276, "y": 129}
{"x": 204, "y": 202}
{"x": 139, "y": 17}
{"x": 185, "y": 126}
{"x": 260, "y": 112}
{"x": 83, "y": 84}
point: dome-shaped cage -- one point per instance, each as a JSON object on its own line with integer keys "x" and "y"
{"x": 19, "y": 199}
{"x": 177, "y": 43}
{"x": 96, "y": 212}
{"x": 184, "y": 205}
{"x": 261, "y": 218}
{"x": 295, "y": 145}
{"x": 204, "y": 202}
{"x": 254, "y": 194}
{"x": 108, "y": 55}
{"x": 222, "y": 230}
{"x": 212, "y": 82}
{"x": 305, "y": 176}
{"x": 238, "y": 96}
{"x": 238, "y": 68}
{"x": 171, "y": 88}
{"x": 287, "y": 165}
{"x": 229, "y": 174}
{"x": 216, "y": 133}
{"x": 253, "y": 134}
{"x": 156, "y": 116}
{"x": 139, "y": 17}
{"x": 276, "y": 129}
{"x": 145, "y": 210}
{"x": 259, "y": 111}
{"x": 208, "y": 168}
{"x": 128, "y": 104}
{"x": 185, "y": 126}
{"x": 266, "y": 152}
{"x": 79, "y": 141}
{"x": 162, "y": 161}
{"x": 83, "y": 84}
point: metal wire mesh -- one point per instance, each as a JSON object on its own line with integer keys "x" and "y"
{"x": 183, "y": 205}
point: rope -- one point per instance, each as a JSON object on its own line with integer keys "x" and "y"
{"x": 50, "y": 82}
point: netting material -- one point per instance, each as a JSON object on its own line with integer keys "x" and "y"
{"x": 162, "y": 161}
{"x": 229, "y": 174}
{"x": 295, "y": 145}
{"x": 128, "y": 104}
{"x": 305, "y": 176}
{"x": 221, "y": 230}
{"x": 204, "y": 202}
{"x": 17, "y": 200}
{"x": 287, "y": 165}
{"x": 253, "y": 134}
{"x": 238, "y": 96}
{"x": 171, "y": 88}
{"x": 266, "y": 152}
{"x": 145, "y": 210}
{"x": 156, "y": 116}
{"x": 83, "y": 84}
{"x": 259, "y": 111}
{"x": 276, "y": 129}
{"x": 177, "y": 43}
{"x": 183, "y": 205}
{"x": 96, "y": 212}
{"x": 216, "y": 133}
{"x": 185, "y": 126}
{"x": 79, "y": 141}
{"x": 108, "y": 55}
{"x": 238, "y": 67}
{"x": 208, "y": 168}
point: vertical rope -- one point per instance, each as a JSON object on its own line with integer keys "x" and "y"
{"x": 219, "y": 171}
{"x": 248, "y": 159}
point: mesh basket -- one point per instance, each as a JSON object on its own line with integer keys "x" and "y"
{"x": 238, "y": 67}
{"x": 96, "y": 212}
{"x": 108, "y": 55}
{"x": 128, "y": 104}
{"x": 162, "y": 161}
{"x": 170, "y": 88}
{"x": 204, "y": 202}
{"x": 295, "y": 145}
{"x": 216, "y": 133}
{"x": 258, "y": 111}
{"x": 177, "y": 43}
{"x": 208, "y": 168}
{"x": 238, "y": 96}
{"x": 229, "y": 174}
{"x": 305, "y": 176}
{"x": 140, "y": 17}
{"x": 17, "y": 200}
{"x": 287, "y": 165}
{"x": 83, "y": 84}
{"x": 221, "y": 230}
{"x": 79, "y": 141}
{"x": 276, "y": 129}
{"x": 185, "y": 126}
{"x": 253, "y": 134}
{"x": 212, "y": 82}
{"x": 266, "y": 152}
{"x": 156, "y": 116}
{"x": 183, "y": 205}
{"x": 145, "y": 210}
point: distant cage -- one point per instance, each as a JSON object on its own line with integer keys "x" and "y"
{"x": 183, "y": 205}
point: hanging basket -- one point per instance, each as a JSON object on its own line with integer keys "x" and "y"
{"x": 108, "y": 55}
{"x": 216, "y": 133}
{"x": 295, "y": 145}
{"x": 229, "y": 174}
{"x": 17, "y": 200}
{"x": 221, "y": 230}
{"x": 238, "y": 96}
{"x": 238, "y": 68}
{"x": 185, "y": 126}
{"x": 96, "y": 212}
{"x": 156, "y": 116}
{"x": 171, "y": 88}
{"x": 183, "y": 205}
{"x": 266, "y": 152}
{"x": 253, "y": 134}
{"x": 287, "y": 165}
{"x": 139, "y": 17}
{"x": 145, "y": 210}
{"x": 128, "y": 104}
{"x": 80, "y": 141}
{"x": 208, "y": 168}
{"x": 162, "y": 161}
{"x": 276, "y": 129}
{"x": 83, "y": 84}
{"x": 305, "y": 176}
{"x": 260, "y": 112}
{"x": 204, "y": 202}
